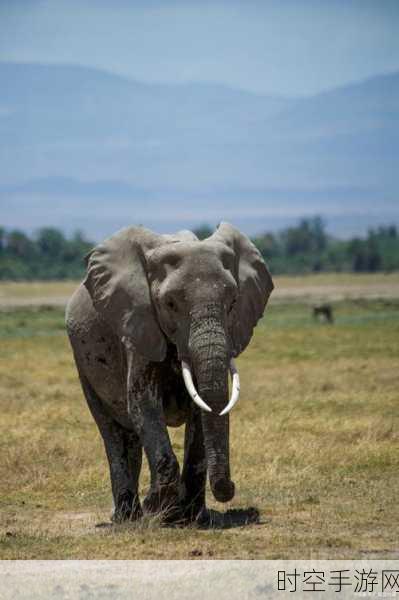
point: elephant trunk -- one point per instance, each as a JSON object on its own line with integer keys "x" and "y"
{"x": 210, "y": 359}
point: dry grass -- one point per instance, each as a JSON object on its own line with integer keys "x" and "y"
{"x": 315, "y": 445}
{"x": 335, "y": 286}
{"x": 15, "y": 290}
{"x": 326, "y": 279}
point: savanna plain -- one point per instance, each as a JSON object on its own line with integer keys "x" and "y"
{"x": 314, "y": 438}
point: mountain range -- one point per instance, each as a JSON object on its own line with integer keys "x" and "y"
{"x": 84, "y": 148}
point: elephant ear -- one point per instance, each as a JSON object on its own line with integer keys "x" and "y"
{"x": 254, "y": 282}
{"x": 117, "y": 283}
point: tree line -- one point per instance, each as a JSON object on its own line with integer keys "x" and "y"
{"x": 48, "y": 255}
{"x": 308, "y": 248}
{"x": 303, "y": 248}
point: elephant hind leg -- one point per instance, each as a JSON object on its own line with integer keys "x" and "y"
{"x": 124, "y": 453}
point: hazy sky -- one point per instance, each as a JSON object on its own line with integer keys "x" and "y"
{"x": 274, "y": 46}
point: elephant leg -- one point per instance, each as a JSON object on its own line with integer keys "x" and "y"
{"x": 124, "y": 453}
{"x": 145, "y": 409}
{"x": 193, "y": 479}
{"x": 163, "y": 496}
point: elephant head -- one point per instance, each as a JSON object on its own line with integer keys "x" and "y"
{"x": 205, "y": 297}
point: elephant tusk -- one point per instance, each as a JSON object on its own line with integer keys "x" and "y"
{"x": 188, "y": 381}
{"x": 235, "y": 392}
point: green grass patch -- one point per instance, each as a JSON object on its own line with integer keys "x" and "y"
{"x": 31, "y": 322}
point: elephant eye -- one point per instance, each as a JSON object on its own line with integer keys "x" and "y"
{"x": 171, "y": 305}
{"x": 232, "y": 304}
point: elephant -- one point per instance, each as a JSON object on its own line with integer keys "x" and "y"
{"x": 154, "y": 329}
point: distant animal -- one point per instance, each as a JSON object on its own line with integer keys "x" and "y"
{"x": 325, "y": 311}
{"x": 154, "y": 329}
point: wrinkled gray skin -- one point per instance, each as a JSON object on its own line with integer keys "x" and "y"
{"x": 149, "y": 301}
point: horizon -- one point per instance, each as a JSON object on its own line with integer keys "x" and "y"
{"x": 206, "y": 83}
{"x": 331, "y": 226}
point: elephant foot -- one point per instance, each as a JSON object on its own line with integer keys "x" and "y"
{"x": 127, "y": 508}
{"x": 192, "y": 509}
{"x": 164, "y": 503}
{"x": 204, "y": 518}
{"x": 235, "y": 517}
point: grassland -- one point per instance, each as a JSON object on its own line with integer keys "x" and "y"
{"x": 315, "y": 444}
{"x": 335, "y": 286}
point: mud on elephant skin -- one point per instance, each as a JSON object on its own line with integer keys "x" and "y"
{"x": 155, "y": 327}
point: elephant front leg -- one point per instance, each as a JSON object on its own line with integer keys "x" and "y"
{"x": 124, "y": 453}
{"x": 146, "y": 413}
{"x": 162, "y": 498}
{"x": 193, "y": 480}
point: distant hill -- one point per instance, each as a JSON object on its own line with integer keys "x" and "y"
{"x": 67, "y": 104}
{"x": 80, "y": 147}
